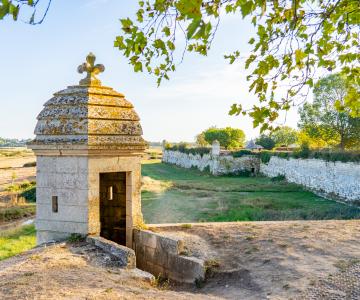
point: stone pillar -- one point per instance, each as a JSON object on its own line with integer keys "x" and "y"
{"x": 163, "y": 145}
{"x": 215, "y": 148}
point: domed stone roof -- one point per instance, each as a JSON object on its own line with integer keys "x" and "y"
{"x": 89, "y": 116}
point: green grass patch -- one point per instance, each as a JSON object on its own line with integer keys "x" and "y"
{"x": 17, "y": 240}
{"x": 201, "y": 197}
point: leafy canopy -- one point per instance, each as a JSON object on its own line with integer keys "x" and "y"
{"x": 12, "y": 8}
{"x": 328, "y": 118}
{"x": 230, "y": 138}
{"x": 285, "y": 135}
{"x": 266, "y": 141}
{"x": 294, "y": 40}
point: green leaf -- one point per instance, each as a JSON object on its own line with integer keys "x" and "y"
{"x": 138, "y": 67}
{"x": 166, "y": 30}
{"x": 192, "y": 28}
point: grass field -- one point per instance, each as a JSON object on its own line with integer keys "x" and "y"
{"x": 187, "y": 195}
{"x": 15, "y": 241}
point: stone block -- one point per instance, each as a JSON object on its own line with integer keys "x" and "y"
{"x": 82, "y": 165}
{"x": 170, "y": 245}
{"x": 45, "y": 236}
{"x": 65, "y": 212}
{"x": 46, "y": 164}
{"x": 125, "y": 255}
{"x": 156, "y": 269}
{"x": 147, "y": 238}
{"x": 67, "y": 164}
{"x": 46, "y": 180}
{"x": 61, "y": 226}
{"x": 186, "y": 269}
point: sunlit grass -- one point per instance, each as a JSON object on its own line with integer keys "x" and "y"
{"x": 194, "y": 196}
{"x": 15, "y": 241}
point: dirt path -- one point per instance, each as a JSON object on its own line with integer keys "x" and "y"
{"x": 76, "y": 272}
{"x": 271, "y": 260}
{"x": 258, "y": 260}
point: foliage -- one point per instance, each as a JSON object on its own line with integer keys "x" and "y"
{"x": 25, "y": 189}
{"x": 329, "y": 118}
{"x": 185, "y": 149}
{"x": 13, "y": 142}
{"x": 200, "y": 140}
{"x": 12, "y": 8}
{"x": 312, "y": 142}
{"x": 278, "y": 178}
{"x": 17, "y": 240}
{"x": 241, "y": 153}
{"x": 229, "y": 138}
{"x": 266, "y": 141}
{"x": 75, "y": 238}
{"x": 294, "y": 40}
{"x": 265, "y": 156}
{"x": 305, "y": 152}
{"x": 285, "y": 135}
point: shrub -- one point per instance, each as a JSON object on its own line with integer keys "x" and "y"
{"x": 266, "y": 141}
{"x": 241, "y": 153}
{"x": 182, "y": 148}
{"x": 305, "y": 152}
{"x": 265, "y": 156}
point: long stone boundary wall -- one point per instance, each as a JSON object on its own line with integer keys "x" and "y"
{"x": 330, "y": 178}
{"x": 216, "y": 164}
{"x": 337, "y": 180}
{"x": 162, "y": 256}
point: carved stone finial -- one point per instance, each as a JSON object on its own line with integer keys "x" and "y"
{"x": 91, "y": 69}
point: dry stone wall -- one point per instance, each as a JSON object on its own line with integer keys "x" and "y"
{"x": 330, "y": 178}
{"x": 162, "y": 256}
{"x": 216, "y": 164}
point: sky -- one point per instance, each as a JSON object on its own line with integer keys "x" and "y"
{"x": 37, "y": 61}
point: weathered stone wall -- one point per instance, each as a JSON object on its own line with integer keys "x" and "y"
{"x": 161, "y": 256}
{"x": 66, "y": 178}
{"x": 330, "y": 178}
{"x": 216, "y": 164}
{"x": 75, "y": 180}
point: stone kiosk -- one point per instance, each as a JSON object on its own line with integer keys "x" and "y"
{"x": 88, "y": 146}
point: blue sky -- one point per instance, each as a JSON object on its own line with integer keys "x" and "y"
{"x": 37, "y": 61}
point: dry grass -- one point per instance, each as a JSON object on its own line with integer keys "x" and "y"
{"x": 270, "y": 260}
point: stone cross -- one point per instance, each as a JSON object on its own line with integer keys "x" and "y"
{"x": 92, "y": 70}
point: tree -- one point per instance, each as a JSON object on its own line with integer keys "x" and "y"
{"x": 305, "y": 139}
{"x": 323, "y": 119}
{"x": 266, "y": 141}
{"x": 230, "y": 138}
{"x": 294, "y": 40}
{"x": 285, "y": 136}
{"x": 12, "y": 8}
{"x": 200, "y": 140}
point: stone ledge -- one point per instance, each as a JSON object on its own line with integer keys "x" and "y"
{"x": 124, "y": 254}
{"x": 161, "y": 256}
{"x": 157, "y": 241}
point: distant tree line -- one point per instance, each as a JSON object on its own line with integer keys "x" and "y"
{"x": 4, "y": 142}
